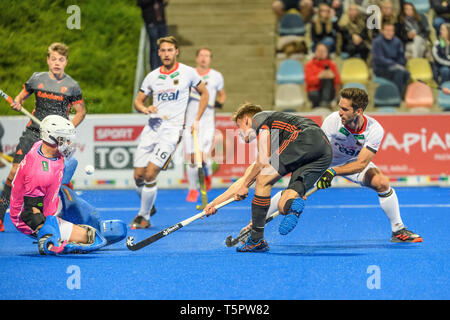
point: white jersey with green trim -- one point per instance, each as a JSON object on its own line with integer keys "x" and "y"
{"x": 171, "y": 91}
{"x": 346, "y": 143}
{"x": 214, "y": 82}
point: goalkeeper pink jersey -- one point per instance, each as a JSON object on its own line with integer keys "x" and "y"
{"x": 37, "y": 176}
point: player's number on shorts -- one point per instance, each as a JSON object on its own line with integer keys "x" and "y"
{"x": 162, "y": 155}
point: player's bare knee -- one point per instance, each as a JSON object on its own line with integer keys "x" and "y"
{"x": 376, "y": 180}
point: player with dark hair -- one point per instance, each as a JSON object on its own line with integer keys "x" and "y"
{"x": 287, "y": 143}
{"x": 355, "y": 139}
{"x": 55, "y": 93}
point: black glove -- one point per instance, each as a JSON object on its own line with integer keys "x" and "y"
{"x": 325, "y": 180}
{"x": 218, "y": 105}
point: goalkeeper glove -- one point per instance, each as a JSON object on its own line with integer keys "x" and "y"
{"x": 325, "y": 180}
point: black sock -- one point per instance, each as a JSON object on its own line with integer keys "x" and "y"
{"x": 260, "y": 206}
{"x": 4, "y": 200}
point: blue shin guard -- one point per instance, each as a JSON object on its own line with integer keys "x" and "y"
{"x": 96, "y": 242}
{"x": 291, "y": 218}
{"x": 113, "y": 230}
{"x": 49, "y": 237}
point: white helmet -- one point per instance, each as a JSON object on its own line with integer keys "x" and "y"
{"x": 59, "y": 131}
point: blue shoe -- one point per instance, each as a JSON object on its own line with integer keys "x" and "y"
{"x": 250, "y": 246}
{"x": 290, "y": 220}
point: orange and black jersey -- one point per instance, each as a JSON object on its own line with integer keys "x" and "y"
{"x": 282, "y": 126}
{"x": 52, "y": 96}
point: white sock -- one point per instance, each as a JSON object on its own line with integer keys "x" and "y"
{"x": 148, "y": 197}
{"x": 192, "y": 176}
{"x": 273, "y": 204}
{"x": 389, "y": 204}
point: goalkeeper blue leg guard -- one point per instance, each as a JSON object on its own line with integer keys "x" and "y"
{"x": 113, "y": 230}
{"x": 294, "y": 209}
{"x": 49, "y": 237}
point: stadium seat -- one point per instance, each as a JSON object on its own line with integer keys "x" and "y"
{"x": 354, "y": 70}
{"x": 387, "y": 95}
{"x": 422, "y": 6}
{"x": 291, "y": 24}
{"x": 419, "y": 97}
{"x": 380, "y": 80}
{"x": 420, "y": 69}
{"x": 444, "y": 99}
{"x": 355, "y": 85}
{"x": 290, "y": 71}
{"x": 289, "y": 97}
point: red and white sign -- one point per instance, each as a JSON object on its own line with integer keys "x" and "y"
{"x": 117, "y": 133}
{"x": 414, "y": 145}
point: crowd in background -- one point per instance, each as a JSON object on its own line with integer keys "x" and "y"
{"x": 347, "y": 28}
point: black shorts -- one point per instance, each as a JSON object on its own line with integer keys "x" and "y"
{"x": 307, "y": 157}
{"x": 290, "y": 4}
{"x": 27, "y": 140}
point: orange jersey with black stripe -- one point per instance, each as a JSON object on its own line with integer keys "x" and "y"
{"x": 52, "y": 96}
{"x": 284, "y": 127}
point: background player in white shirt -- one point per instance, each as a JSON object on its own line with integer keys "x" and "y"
{"x": 355, "y": 139}
{"x": 215, "y": 85}
{"x": 169, "y": 86}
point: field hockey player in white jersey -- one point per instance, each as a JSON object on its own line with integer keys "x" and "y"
{"x": 355, "y": 139}
{"x": 169, "y": 87}
{"x": 214, "y": 82}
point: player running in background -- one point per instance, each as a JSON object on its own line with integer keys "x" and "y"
{"x": 169, "y": 86}
{"x": 287, "y": 143}
{"x": 355, "y": 139}
{"x": 215, "y": 85}
{"x": 55, "y": 93}
{"x": 34, "y": 194}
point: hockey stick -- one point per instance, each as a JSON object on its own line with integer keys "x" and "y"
{"x": 6, "y": 157}
{"x": 136, "y": 246}
{"x": 201, "y": 174}
{"x": 23, "y": 110}
{"x": 231, "y": 242}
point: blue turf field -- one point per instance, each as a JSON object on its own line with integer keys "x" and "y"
{"x": 340, "y": 250}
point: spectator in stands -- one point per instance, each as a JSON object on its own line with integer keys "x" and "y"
{"x": 388, "y": 57}
{"x": 442, "y": 13}
{"x": 387, "y": 14}
{"x": 355, "y": 37}
{"x": 336, "y": 7}
{"x": 153, "y": 13}
{"x": 413, "y": 30}
{"x": 304, "y": 7}
{"x": 441, "y": 55}
{"x": 324, "y": 29}
{"x": 322, "y": 78}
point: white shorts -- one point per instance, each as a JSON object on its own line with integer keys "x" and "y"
{"x": 358, "y": 178}
{"x": 156, "y": 145}
{"x": 206, "y": 129}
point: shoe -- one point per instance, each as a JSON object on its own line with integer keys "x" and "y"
{"x": 2, "y": 227}
{"x": 139, "y": 222}
{"x": 208, "y": 182}
{"x": 153, "y": 211}
{"x": 290, "y": 220}
{"x": 404, "y": 235}
{"x": 251, "y": 246}
{"x": 192, "y": 195}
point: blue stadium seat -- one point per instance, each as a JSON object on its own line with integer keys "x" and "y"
{"x": 291, "y": 24}
{"x": 444, "y": 99}
{"x": 290, "y": 71}
{"x": 355, "y": 85}
{"x": 422, "y": 6}
{"x": 387, "y": 95}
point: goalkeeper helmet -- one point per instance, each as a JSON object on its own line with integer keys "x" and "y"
{"x": 59, "y": 131}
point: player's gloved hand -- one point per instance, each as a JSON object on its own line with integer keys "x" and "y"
{"x": 325, "y": 180}
{"x": 218, "y": 105}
